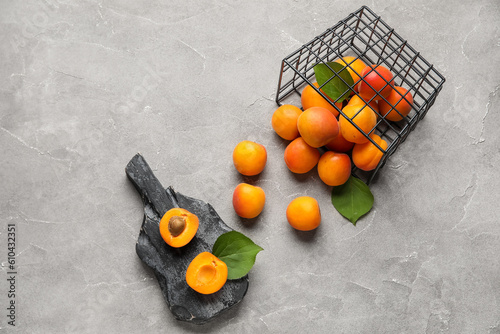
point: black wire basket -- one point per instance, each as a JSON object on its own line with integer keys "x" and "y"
{"x": 363, "y": 34}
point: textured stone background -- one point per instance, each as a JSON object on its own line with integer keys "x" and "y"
{"x": 87, "y": 84}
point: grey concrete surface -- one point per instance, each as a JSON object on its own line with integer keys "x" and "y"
{"x": 88, "y": 84}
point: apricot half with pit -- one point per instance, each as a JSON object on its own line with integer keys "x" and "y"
{"x": 178, "y": 226}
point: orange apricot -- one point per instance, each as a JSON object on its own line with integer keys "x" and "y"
{"x": 356, "y": 66}
{"x": 311, "y": 98}
{"x": 249, "y": 158}
{"x": 317, "y": 126}
{"x": 380, "y": 80}
{"x": 303, "y": 213}
{"x": 367, "y": 156}
{"x": 334, "y": 168}
{"x": 339, "y": 143}
{"x": 284, "y": 121}
{"x": 248, "y": 200}
{"x": 300, "y": 158}
{"x": 363, "y": 116}
{"x": 206, "y": 273}
{"x": 357, "y": 100}
{"x": 398, "y": 107}
{"x": 178, "y": 226}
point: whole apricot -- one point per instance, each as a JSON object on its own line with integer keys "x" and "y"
{"x": 303, "y": 213}
{"x": 361, "y": 115}
{"x": 357, "y": 100}
{"x": 249, "y": 158}
{"x": 299, "y": 157}
{"x": 248, "y": 200}
{"x": 206, "y": 273}
{"x": 311, "y": 98}
{"x": 334, "y": 168}
{"x": 380, "y": 80}
{"x": 354, "y": 66}
{"x": 339, "y": 143}
{"x": 399, "y": 106}
{"x": 178, "y": 226}
{"x": 367, "y": 156}
{"x": 284, "y": 121}
{"x": 317, "y": 126}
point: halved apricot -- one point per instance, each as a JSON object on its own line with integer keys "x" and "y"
{"x": 178, "y": 226}
{"x": 206, "y": 273}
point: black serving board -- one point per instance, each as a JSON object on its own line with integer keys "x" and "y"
{"x": 169, "y": 264}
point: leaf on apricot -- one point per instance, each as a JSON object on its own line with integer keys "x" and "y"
{"x": 334, "y": 88}
{"x": 353, "y": 199}
{"x": 237, "y": 251}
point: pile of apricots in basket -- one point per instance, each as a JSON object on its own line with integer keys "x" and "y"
{"x": 319, "y": 136}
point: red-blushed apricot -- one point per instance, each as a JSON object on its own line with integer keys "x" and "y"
{"x": 339, "y": 143}
{"x": 378, "y": 77}
{"x": 317, "y": 126}
{"x": 206, "y": 273}
{"x": 363, "y": 116}
{"x": 178, "y": 226}
{"x": 356, "y": 66}
{"x": 303, "y": 213}
{"x": 284, "y": 121}
{"x": 334, "y": 168}
{"x": 299, "y": 157}
{"x": 248, "y": 200}
{"x": 357, "y": 100}
{"x": 400, "y": 104}
{"x": 249, "y": 158}
{"x": 367, "y": 156}
{"x": 311, "y": 98}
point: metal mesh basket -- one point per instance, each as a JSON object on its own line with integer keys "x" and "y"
{"x": 365, "y": 35}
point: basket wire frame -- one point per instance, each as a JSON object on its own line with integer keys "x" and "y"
{"x": 364, "y": 35}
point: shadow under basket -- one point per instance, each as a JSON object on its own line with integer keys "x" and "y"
{"x": 364, "y": 35}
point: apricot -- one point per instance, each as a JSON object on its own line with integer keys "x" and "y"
{"x": 206, "y": 273}
{"x": 284, "y": 121}
{"x": 303, "y": 213}
{"x": 248, "y": 200}
{"x": 380, "y": 80}
{"x": 317, "y": 126}
{"x": 339, "y": 143}
{"x": 398, "y": 107}
{"x": 334, "y": 168}
{"x": 311, "y": 98}
{"x": 178, "y": 226}
{"x": 300, "y": 158}
{"x": 363, "y": 116}
{"x": 367, "y": 156}
{"x": 356, "y": 66}
{"x": 357, "y": 100}
{"x": 249, "y": 158}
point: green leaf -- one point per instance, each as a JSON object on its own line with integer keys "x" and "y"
{"x": 353, "y": 199}
{"x": 237, "y": 251}
{"x": 335, "y": 88}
